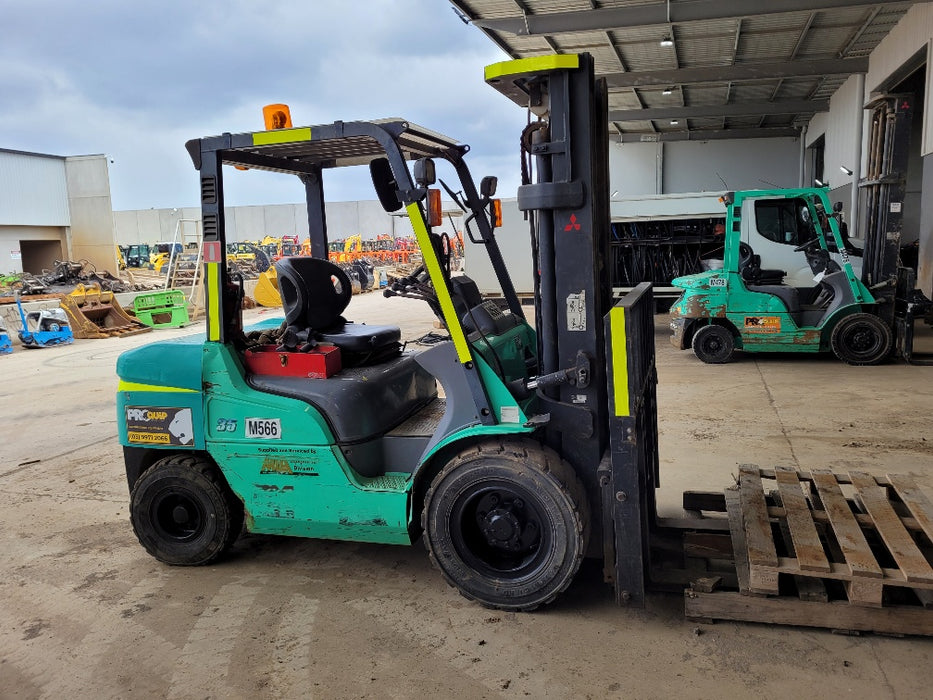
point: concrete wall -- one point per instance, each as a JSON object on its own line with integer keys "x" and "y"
{"x": 652, "y": 168}
{"x": 91, "y": 236}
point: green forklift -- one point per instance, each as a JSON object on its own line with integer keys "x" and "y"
{"x": 743, "y": 306}
{"x": 316, "y": 426}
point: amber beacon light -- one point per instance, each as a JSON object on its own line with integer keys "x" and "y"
{"x": 277, "y": 116}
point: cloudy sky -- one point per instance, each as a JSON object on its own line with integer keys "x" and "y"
{"x": 136, "y": 79}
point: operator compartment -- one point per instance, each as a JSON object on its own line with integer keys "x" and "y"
{"x": 334, "y": 364}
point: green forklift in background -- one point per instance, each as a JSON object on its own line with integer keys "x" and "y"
{"x": 860, "y": 315}
{"x": 743, "y": 306}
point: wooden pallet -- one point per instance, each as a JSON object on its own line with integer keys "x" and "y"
{"x": 862, "y": 544}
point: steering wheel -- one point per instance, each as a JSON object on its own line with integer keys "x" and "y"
{"x": 804, "y": 246}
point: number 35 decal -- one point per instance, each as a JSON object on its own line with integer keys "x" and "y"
{"x": 226, "y": 425}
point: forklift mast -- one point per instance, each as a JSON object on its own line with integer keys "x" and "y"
{"x": 604, "y": 423}
{"x": 883, "y": 191}
{"x": 568, "y": 208}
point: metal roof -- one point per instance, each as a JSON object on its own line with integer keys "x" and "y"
{"x": 734, "y": 69}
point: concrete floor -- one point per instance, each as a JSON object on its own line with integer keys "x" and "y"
{"x": 84, "y": 611}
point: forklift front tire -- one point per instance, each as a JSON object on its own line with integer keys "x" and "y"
{"x": 507, "y": 522}
{"x": 183, "y": 512}
{"x": 713, "y": 344}
{"x": 861, "y": 339}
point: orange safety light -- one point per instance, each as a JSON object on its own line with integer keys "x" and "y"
{"x": 496, "y": 213}
{"x": 435, "y": 213}
{"x": 277, "y": 117}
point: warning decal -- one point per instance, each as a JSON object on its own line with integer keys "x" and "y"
{"x": 150, "y": 425}
{"x": 576, "y": 311}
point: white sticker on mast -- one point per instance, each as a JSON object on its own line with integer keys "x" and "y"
{"x": 576, "y": 311}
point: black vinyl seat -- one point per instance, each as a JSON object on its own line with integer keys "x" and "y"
{"x": 753, "y": 274}
{"x": 315, "y": 293}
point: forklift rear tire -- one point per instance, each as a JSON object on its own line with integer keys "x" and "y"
{"x": 507, "y": 524}
{"x": 183, "y": 512}
{"x": 713, "y": 344}
{"x": 861, "y": 339}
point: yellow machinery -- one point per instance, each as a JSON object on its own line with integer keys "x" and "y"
{"x": 267, "y": 289}
{"x": 95, "y": 313}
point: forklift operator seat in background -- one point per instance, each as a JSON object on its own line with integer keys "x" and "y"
{"x": 315, "y": 293}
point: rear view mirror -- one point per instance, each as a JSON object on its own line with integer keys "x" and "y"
{"x": 424, "y": 172}
{"x": 805, "y": 215}
{"x": 385, "y": 184}
{"x": 487, "y": 186}
{"x": 837, "y": 207}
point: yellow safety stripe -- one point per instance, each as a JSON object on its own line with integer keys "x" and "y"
{"x": 619, "y": 361}
{"x": 264, "y": 138}
{"x": 535, "y": 64}
{"x": 440, "y": 287}
{"x": 213, "y": 300}
{"x": 134, "y": 386}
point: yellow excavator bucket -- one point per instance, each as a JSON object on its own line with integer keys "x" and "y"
{"x": 267, "y": 289}
{"x": 95, "y": 313}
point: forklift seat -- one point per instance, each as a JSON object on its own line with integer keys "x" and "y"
{"x": 315, "y": 293}
{"x": 753, "y": 274}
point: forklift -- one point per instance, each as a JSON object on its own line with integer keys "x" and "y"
{"x": 861, "y": 317}
{"x": 743, "y": 306}
{"x": 543, "y": 449}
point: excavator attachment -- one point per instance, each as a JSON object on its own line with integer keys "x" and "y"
{"x": 168, "y": 309}
{"x": 97, "y": 314}
{"x": 267, "y": 289}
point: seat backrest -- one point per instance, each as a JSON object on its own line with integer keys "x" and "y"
{"x": 314, "y": 292}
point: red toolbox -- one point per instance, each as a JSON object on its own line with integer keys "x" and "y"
{"x": 320, "y": 363}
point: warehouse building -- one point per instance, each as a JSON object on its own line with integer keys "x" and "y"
{"x": 711, "y": 95}
{"x": 54, "y": 208}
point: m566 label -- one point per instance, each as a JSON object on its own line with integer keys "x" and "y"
{"x": 264, "y": 428}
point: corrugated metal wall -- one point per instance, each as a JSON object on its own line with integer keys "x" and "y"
{"x": 33, "y": 191}
{"x": 252, "y": 223}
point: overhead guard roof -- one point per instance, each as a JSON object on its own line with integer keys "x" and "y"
{"x": 336, "y": 145}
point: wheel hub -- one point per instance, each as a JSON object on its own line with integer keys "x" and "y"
{"x": 180, "y": 515}
{"x": 505, "y": 523}
{"x": 502, "y": 528}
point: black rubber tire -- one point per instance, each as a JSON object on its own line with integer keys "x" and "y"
{"x": 713, "y": 344}
{"x": 861, "y": 339}
{"x": 183, "y": 512}
{"x": 507, "y": 523}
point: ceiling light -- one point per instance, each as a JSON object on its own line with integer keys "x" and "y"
{"x": 845, "y": 170}
{"x": 667, "y": 41}
{"x": 667, "y": 91}
{"x": 675, "y": 122}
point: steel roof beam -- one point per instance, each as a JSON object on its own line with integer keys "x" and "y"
{"x": 712, "y": 135}
{"x": 657, "y": 14}
{"x": 741, "y": 109}
{"x": 737, "y": 72}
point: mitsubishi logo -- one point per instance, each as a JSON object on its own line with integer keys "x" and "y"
{"x": 573, "y": 225}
